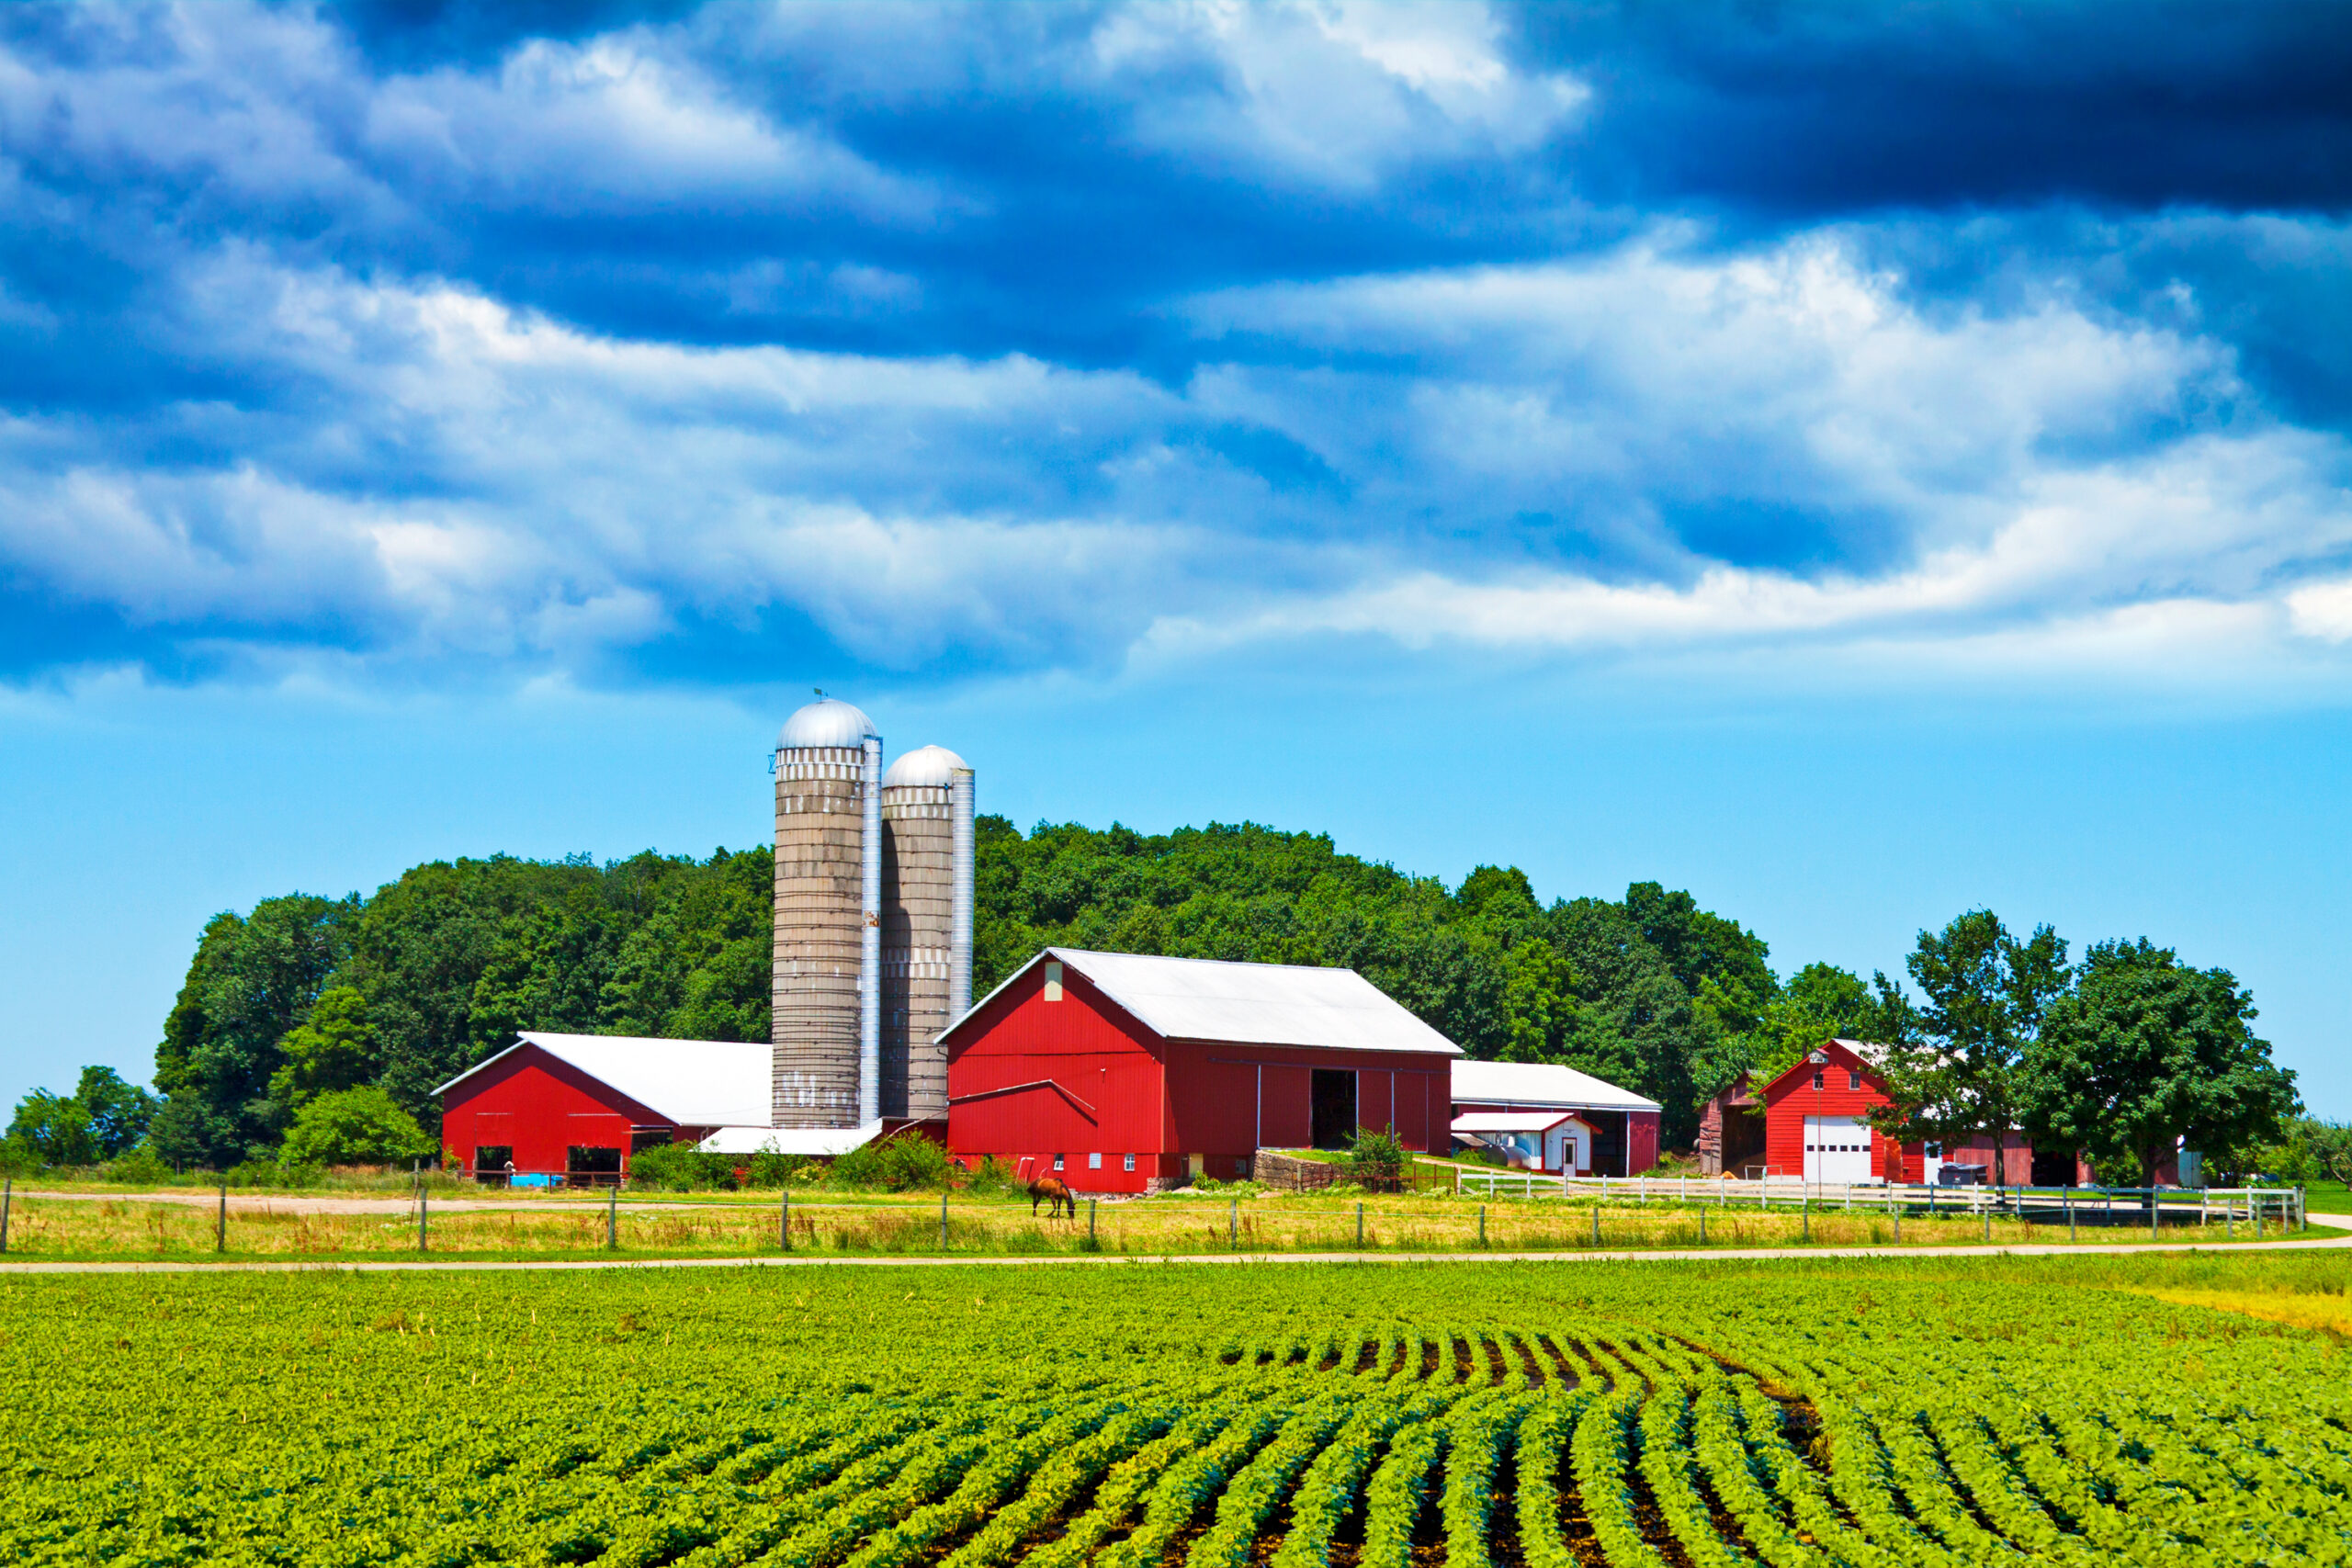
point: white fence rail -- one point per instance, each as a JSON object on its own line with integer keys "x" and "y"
{"x": 2094, "y": 1205}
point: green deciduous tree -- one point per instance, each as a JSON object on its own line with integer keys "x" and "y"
{"x": 356, "y": 1126}
{"x": 333, "y": 1048}
{"x": 2146, "y": 1051}
{"x": 102, "y": 1118}
{"x": 1963, "y": 1076}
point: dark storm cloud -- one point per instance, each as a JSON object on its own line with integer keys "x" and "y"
{"x": 1831, "y": 109}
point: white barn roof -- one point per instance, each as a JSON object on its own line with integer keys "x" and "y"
{"x": 1249, "y": 1004}
{"x": 823, "y": 1142}
{"x": 695, "y": 1083}
{"x": 1539, "y": 1083}
{"x": 1515, "y": 1120}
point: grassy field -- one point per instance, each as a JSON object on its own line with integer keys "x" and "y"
{"x": 1370, "y": 1415}
{"x": 268, "y": 1226}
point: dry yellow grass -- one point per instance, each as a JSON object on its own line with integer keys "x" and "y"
{"x": 2325, "y": 1313}
{"x": 128, "y": 1228}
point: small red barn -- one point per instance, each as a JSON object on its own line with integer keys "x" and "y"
{"x": 1126, "y": 1073}
{"x": 575, "y": 1106}
{"x": 1815, "y": 1127}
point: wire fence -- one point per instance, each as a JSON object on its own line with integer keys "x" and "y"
{"x": 1663, "y": 1216}
{"x": 2098, "y": 1205}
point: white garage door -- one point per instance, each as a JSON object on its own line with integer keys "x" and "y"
{"x": 1836, "y": 1148}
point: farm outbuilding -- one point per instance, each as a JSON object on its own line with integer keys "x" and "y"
{"x": 1817, "y": 1127}
{"x": 1624, "y": 1124}
{"x": 1559, "y": 1142}
{"x": 1124, "y": 1072}
{"x": 573, "y": 1108}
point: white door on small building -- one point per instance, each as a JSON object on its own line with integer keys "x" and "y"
{"x": 1560, "y": 1151}
{"x": 1836, "y": 1148}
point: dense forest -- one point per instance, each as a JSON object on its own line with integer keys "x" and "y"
{"x": 438, "y": 969}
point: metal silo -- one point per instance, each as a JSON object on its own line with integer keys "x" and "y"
{"x": 825, "y": 981}
{"x": 920, "y": 928}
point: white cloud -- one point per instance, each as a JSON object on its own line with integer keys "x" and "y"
{"x": 1334, "y": 91}
{"x": 451, "y": 477}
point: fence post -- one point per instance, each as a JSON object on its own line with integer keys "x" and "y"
{"x": 220, "y": 1235}
{"x": 1089, "y": 1218}
{"x": 1898, "y": 1227}
{"x": 1805, "y": 1215}
{"x": 1359, "y": 1227}
{"x": 420, "y": 1202}
{"x": 1233, "y": 1226}
{"x": 2153, "y": 1197}
{"x": 784, "y": 1221}
{"x": 943, "y": 1220}
{"x": 1988, "y": 1211}
{"x": 1702, "y": 1225}
{"x": 1596, "y": 1224}
{"x": 1482, "y": 1225}
{"x": 2070, "y": 1214}
{"x": 7, "y": 1195}
{"x": 611, "y": 1217}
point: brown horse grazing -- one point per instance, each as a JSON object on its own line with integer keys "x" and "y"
{"x": 1056, "y": 1194}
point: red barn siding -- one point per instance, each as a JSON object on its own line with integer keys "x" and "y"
{"x": 1790, "y": 1098}
{"x": 540, "y": 1106}
{"x": 1641, "y": 1141}
{"x": 1082, "y": 1048}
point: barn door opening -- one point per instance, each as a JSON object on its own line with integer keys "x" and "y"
{"x": 584, "y": 1167}
{"x": 1335, "y": 1108}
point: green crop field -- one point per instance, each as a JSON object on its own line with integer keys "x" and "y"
{"x": 1404, "y": 1416}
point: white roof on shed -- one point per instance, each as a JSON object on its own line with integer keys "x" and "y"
{"x": 1539, "y": 1083}
{"x": 823, "y": 1142}
{"x": 695, "y": 1083}
{"x": 1514, "y": 1121}
{"x": 1251, "y": 1004}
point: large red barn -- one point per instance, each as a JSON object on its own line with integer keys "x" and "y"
{"x": 1123, "y": 1073}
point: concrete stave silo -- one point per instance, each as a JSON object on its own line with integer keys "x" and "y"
{"x": 824, "y": 987}
{"x": 919, "y": 904}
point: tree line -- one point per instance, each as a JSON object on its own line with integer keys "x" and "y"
{"x": 311, "y": 1026}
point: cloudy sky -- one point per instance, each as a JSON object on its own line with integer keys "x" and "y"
{"x": 1855, "y": 463}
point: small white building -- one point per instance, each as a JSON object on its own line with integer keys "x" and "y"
{"x": 1555, "y": 1142}
{"x": 1621, "y": 1128}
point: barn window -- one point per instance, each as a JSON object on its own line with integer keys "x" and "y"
{"x": 1130, "y": 1160}
{"x": 1817, "y": 1078}
{"x": 1058, "y": 1162}
{"x": 1053, "y": 980}
{"x": 1853, "y": 1079}
{"x": 1093, "y": 1162}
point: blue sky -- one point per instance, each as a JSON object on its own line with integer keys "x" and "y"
{"x": 1854, "y": 463}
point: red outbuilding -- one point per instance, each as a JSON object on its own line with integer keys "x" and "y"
{"x": 1126, "y": 1073}
{"x": 572, "y": 1108}
{"x": 1815, "y": 1127}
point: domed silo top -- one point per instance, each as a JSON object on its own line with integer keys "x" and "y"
{"x": 827, "y": 722}
{"x": 933, "y": 766}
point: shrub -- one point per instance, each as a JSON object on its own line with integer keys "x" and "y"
{"x": 902, "y": 1164}
{"x": 681, "y": 1168}
{"x": 140, "y": 1167}
{"x": 1376, "y": 1160}
{"x": 772, "y": 1167}
{"x": 356, "y": 1126}
{"x": 263, "y": 1172}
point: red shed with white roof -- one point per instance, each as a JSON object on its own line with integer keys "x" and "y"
{"x": 1624, "y": 1124}
{"x": 1125, "y": 1071}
